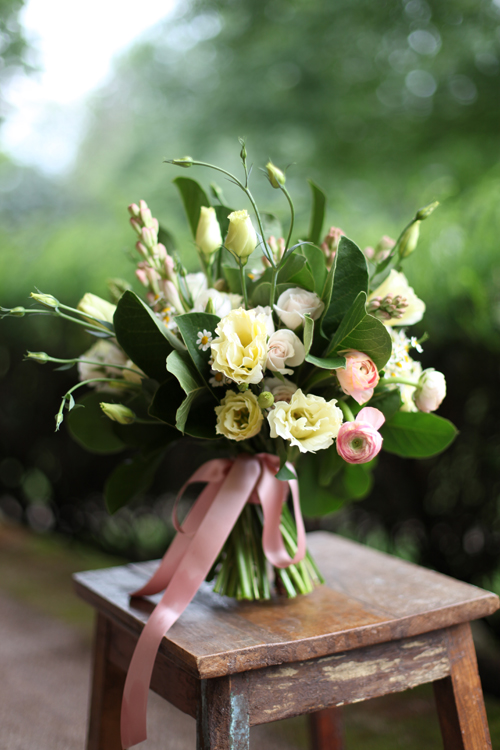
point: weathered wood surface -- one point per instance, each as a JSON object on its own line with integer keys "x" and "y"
{"x": 369, "y": 598}
{"x": 106, "y": 693}
{"x": 459, "y": 697}
{"x": 279, "y": 692}
{"x": 223, "y": 718}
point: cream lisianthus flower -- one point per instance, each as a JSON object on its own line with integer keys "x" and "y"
{"x": 309, "y": 422}
{"x": 396, "y": 284}
{"x": 97, "y": 307}
{"x": 240, "y": 349}
{"x": 105, "y": 354}
{"x": 208, "y": 236}
{"x": 239, "y": 416}
{"x": 241, "y": 239}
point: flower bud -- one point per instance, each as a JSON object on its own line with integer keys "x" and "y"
{"x": 241, "y": 239}
{"x": 426, "y": 211}
{"x": 275, "y": 175}
{"x": 136, "y": 225}
{"x": 148, "y": 236}
{"x": 17, "y": 312}
{"x": 45, "y": 299}
{"x": 133, "y": 209}
{"x": 265, "y": 400}
{"x": 97, "y": 307}
{"x": 208, "y": 236}
{"x": 210, "y": 309}
{"x": 409, "y": 240}
{"x": 118, "y": 413}
{"x": 184, "y": 161}
{"x": 431, "y": 390}
{"x": 40, "y": 357}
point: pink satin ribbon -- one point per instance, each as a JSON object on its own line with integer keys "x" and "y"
{"x": 194, "y": 550}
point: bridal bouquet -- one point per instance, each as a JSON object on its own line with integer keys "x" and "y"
{"x": 293, "y": 352}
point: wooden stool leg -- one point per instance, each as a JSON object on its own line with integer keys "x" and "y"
{"x": 223, "y": 721}
{"x": 106, "y": 696}
{"x": 459, "y": 697}
{"x": 326, "y": 729}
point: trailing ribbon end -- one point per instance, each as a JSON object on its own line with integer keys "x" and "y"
{"x": 187, "y": 562}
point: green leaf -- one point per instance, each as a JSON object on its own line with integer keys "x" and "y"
{"x": 193, "y": 197}
{"x": 262, "y": 292}
{"x": 222, "y": 212}
{"x": 131, "y": 479}
{"x": 284, "y": 474}
{"x": 327, "y": 482}
{"x": 326, "y": 363}
{"x": 308, "y": 333}
{"x": 417, "y": 435}
{"x": 316, "y": 264}
{"x": 143, "y": 337}
{"x": 388, "y": 402}
{"x": 182, "y": 367}
{"x": 200, "y": 422}
{"x": 233, "y": 278}
{"x": 190, "y": 324}
{"x": 357, "y": 480}
{"x": 362, "y": 332}
{"x": 291, "y": 267}
{"x": 350, "y": 277}
{"x": 317, "y": 213}
{"x": 91, "y": 428}
{"x": 315, "y": 500}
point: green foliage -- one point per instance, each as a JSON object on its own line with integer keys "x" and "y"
{"x": 193, "y": 197}
{"x": 416, "y": 434}
{"x": 169, "y": 398}
{"x": 91, "y": 428}
{"x": 131, "y": 479}
{"x": 350, "y": 276}
{"x": 317, "y": 213}
{"x": 326, "y": 363}
{"x": 364, "y": 333}
{"x": 144, "y": 338}
{"x": 190, "y": 324}
{"x": 181, "y": 366}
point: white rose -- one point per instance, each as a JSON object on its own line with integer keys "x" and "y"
{"x": 220, "y": 300}
{"x": 309, "y": 422}
{"x": 239, "y": 416}
{"x": 397, "y": 284}
{"x": 106, "y": 355}
{"x": 282, "y": 390}
{"x": 284, "y": 348}
{"x": 196, "y": 283}
{"x": 260, "y": 310}
{"x": 431, "y": 390}
{"x": 295, "y": 303}
{"x": 240, "y": 351}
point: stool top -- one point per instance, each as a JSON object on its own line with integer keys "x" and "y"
{"x": 369, "y": 597}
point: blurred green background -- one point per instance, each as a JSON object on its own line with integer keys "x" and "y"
{"x": 387, "y": 106}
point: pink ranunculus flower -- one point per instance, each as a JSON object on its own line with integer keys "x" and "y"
{"x": 359, "y": 377}
{"x": 360, "y": 441}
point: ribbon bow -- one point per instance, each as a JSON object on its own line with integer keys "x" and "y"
{"x": 194, "y": 550}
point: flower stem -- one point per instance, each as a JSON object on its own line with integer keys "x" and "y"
{"x": 348, "y": 415}
{"x": 292, "y": 212}
{"x": 402, "y": 381}
{"x": 243, "y": 283}
{"x": 274, "y": 280}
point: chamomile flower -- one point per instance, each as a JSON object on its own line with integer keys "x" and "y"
{"x": 204, "y": 340}
{"x": 218, "y": 379}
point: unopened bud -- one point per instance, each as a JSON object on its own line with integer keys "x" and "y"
{"x": 133, "y": 209}
{"x": 265, "y": 400}
{"x": 208, "y": 235}
{"x": 241, "y": 239}
{"x": 136, "y": 224}
{"x": 148, "y": 236}
{"x": 210, "y": 306}
{"x": 118, "y": 413}
{"x": 426, "y": 211}
{"x": 184, "y": 161}
{"x": 40, "y": 357}
{"x": 142, "y": 249}
{"x": 409, "y": 240}
{"x": 45, "y": 299}
{"x": 275, "y": 175}
{"x": 243, "y": 152}
{"x": 18, "y": 312}
{"x": 242, "y": 387}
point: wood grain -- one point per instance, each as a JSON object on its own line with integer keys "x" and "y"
{"x": 459, "y": 697}
{"x": 223, "y": 719}
{"x": 369, "y": 598}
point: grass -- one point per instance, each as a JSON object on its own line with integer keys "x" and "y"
{"x": 37, "y": 570}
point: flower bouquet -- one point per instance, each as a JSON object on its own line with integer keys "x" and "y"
{"x": 291, "y": 356}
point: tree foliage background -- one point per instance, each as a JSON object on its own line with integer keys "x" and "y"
{"x": 386, "y": 105}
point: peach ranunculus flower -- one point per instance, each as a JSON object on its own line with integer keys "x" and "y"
{"x": 359, "y": 377}
{"x": 309, "y": 422}
{"x": 240, "y": 349}
{"x": 359, "y": 442}
{"x": 239, "y": 416}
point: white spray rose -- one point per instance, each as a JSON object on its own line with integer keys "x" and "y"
{"x": 240, "y": 349}
{"x": 282, "y": 390}
{"x": 241, "y": 239}
{"x": 220, "y": 300}
{"x": 239, "y": 416}
{"x": 196, "y": 283}
{"x": 208, "y": 236}
{"x": 294, "y": 304}
{"x": 260, "y": 310}
{"x": 309, "y": 422}
{"x": 431, "y": 390}
{"x": 396, "y": 284}
{"x": 284, "y": 348}
{"x": 107, "y": 354}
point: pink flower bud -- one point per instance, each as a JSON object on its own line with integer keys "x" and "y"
{"x": 169, "y": 265}
{"x": 359, "y": 442}
{"x": 359, "y": 377}
{"x": 148, "y": 236}
{"x": 133, "y": 209}
{"x": 136, "y": 225}
{"x": 141, "y": 275}
{"x": 141, "y": 249}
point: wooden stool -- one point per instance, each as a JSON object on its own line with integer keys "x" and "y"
{"x": 380, "y": 625}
